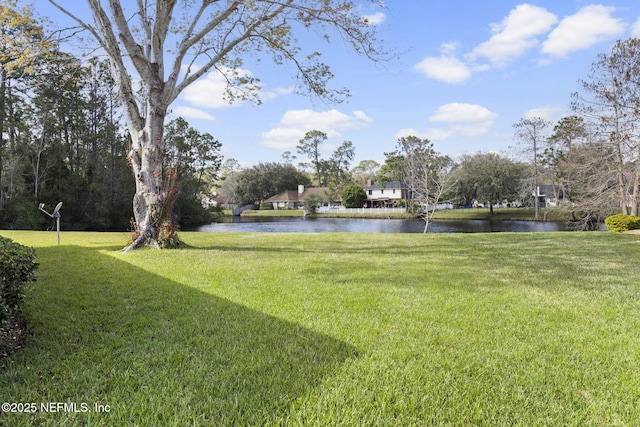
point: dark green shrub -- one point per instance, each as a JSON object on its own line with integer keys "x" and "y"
{"x": 622, "y": 222}
{"x": 266, "y": 206}
{"x": 353, "y": 196}
{"x": 22, "y": 213}
{"x": 17, "y": 268}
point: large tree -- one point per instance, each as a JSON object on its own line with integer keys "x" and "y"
{"x": 531, "y": 134}
{"x": 610, "y": 104}
{"x": 365, "y": 171}
{"x": 167, "y": 45}
{"x": 489, "y": 178}
{"x": 193, "y": 154}
{"x": 310, "y": 145}
{"x": 426, "y": 173}
{"x": 258, "y": 183}
{"x": 593, "y": 194}
{"x": 342, "y": 158}
{"x": 567, "y": 133}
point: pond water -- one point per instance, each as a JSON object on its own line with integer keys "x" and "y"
{"x": 318, "y": 225}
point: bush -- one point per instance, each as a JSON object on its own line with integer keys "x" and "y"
{"x": 22, "y": 213}
{"x": 17, "y": 268}
{"x": 353, "y": 196}
{"x": 311, "y": 203}
{"x": 266, "y": 206}
{"x": 622, "y": 222}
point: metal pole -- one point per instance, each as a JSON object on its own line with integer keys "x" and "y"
{"x": 58, "y": 226}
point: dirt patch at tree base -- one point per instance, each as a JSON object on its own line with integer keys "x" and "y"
{"x": 13, "y": 336}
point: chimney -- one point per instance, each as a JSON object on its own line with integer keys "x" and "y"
{"x": 369, "y": 182}
{"x": 300, "y": 189}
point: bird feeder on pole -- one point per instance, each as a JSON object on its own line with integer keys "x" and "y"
{"x": 55, "y": 215}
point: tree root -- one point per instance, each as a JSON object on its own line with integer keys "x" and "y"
{"x": 146, "y": 238}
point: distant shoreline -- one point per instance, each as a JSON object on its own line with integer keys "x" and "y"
{"x": 499, "y": 214}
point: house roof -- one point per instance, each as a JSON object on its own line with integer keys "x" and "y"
{"x": 285, "y": 196}
{"x": 389, "y": 185}
{"x": 318, "y": 191}
{"x": 293, "y": 196}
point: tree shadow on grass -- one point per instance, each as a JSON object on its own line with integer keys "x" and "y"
{"x": 155, "y": 351}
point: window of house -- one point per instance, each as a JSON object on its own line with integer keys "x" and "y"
{"x": 381, "y": 191}
{"x": 394, "y": 191}
{"x": 370, "y": 192}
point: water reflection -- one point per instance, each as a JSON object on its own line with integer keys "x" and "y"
{"x": 320, "y": 225}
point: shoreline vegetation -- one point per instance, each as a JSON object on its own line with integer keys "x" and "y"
{"x": 258, "y": 329}
{"x": 499, "y": 214}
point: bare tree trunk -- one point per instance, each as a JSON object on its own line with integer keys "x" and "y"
{"x": 622, "y": 187}
{"x": 635, "y": 198}
{"x": 427, "y": 220}
{"x": 2, "y": 119}
{"x": 146, "y": 162}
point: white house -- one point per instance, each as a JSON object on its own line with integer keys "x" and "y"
{"x": 550, "y": 196}
{"x": 389, "y": 195}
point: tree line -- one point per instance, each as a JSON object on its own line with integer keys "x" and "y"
{"x": 62, "y": 139}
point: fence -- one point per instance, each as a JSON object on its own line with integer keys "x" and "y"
{"x": 369, "y": 211}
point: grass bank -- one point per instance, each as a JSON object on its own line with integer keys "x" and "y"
{"x": 274, "y": 212}
{"x": 501, "y": 214}
{"x": 333, "y": 329}
{"x": 300, "y": 213}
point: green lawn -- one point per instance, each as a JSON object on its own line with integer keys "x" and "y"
{"x": 347, "y": 329}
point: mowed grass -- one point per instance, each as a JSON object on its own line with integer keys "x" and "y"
{"x": 348, "y": 329}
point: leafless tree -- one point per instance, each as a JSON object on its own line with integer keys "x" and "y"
{"x": 593, "y": 194}
{"x": 610, "y": 104}
{"x": 531, "y": 134}
{"x": 426, "y": 173}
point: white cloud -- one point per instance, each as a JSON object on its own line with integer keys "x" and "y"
{"x": 635, "y": 30}
{"x": 432, "y": 134}
{"x": 515, "y": 35}
{"x": 445, "y": 68}
{"x": 295, "y": 123}
{"x": 209, "y": 91}
{"x": 548, "y": 112}
{"x": 590, "y": 25}
{"x": 411, "y": 132}
{"x": 375, "y": 18}
{"x": 456, "y": 112}
{"x": 192, "y": 113}
{"x": 275, "y": 93}
{"x": 470, "y": 120}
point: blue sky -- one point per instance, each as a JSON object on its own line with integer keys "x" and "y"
{"x": 468, "y": 70}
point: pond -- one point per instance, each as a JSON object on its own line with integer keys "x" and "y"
{"x": 319, "y": 225}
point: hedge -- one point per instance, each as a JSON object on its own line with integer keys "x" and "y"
{"x": 17, "y": 268}
{"x": 622, "y": 222}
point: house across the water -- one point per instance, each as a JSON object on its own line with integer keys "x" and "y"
{"x": 385, "y": 196}
{"x": 293, "y": 199}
